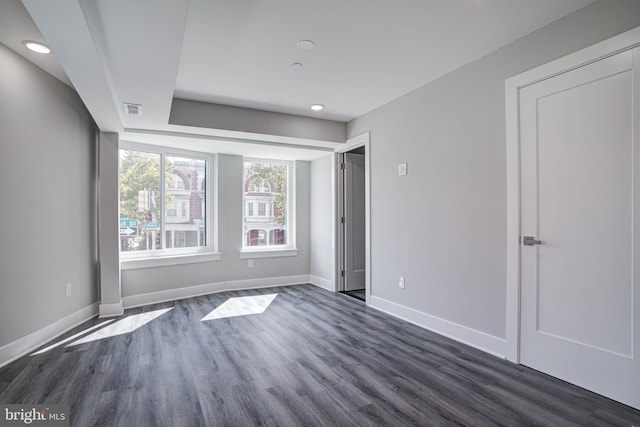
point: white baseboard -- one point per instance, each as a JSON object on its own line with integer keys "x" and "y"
{"x": 111, "y": 310}
{"x": 211, "y": 288}
{"x": 269, "y": 282}
{"x": 472, "y": 337}
{"x": 321, "y": 283}
{"x": 35, "y": 339}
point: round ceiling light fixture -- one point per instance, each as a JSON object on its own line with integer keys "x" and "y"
{"x": 36, "y": 47}
{"x": 317, "y": 107}
{"x": 305, "y": 44}
{"x": 297, "y": 65}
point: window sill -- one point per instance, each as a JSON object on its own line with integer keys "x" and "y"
{"x": 267, "y": 253}
{"x": 136, "y": 263}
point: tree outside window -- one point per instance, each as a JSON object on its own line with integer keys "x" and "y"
{"x": 151, "y": 222}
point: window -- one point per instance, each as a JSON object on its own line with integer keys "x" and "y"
{"x": 176, "y": 181}
{"x": 256, "y": 238}
{"x": 259, "y": 184}
{"x": 267, "y": 184}
{"x": 163, "y": 202}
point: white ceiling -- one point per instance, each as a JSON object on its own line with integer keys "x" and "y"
{"x": 239, "y": 53}
{"x": 367, "y": 52}
{"x": 17, "y": 26}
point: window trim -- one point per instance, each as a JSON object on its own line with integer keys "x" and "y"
{"x": 290, "y": 249}
{"x": 268, "y": 253}
{"x": 137, "y": 263}
{"x": 175, "y": 256}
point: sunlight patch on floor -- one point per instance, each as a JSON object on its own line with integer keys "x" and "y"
{"x": 123, "y": 326}
{"x": 241, "y": 306}
{"x": 72, "y": 337}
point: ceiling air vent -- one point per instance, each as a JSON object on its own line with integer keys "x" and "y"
{"x": 132, "y": 109}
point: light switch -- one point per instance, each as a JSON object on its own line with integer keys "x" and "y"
{"x": 402, "y": 169}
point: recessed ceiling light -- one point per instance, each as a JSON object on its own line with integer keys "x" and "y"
{"x": 317, "y": 107}
{"x": 36, "y": 47}
{"x": 305, "y": 44}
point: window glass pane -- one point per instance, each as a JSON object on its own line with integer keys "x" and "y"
{"x": 150, "y": 222}
{"x": 265, "y": 185}
{"x": 185, "y": 202}
{"x": 139, "y": 201}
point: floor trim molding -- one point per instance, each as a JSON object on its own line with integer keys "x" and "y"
{"x": 211, "y": 288}
{"x": 472, "y": 337}
{"x": 26, "y": 344}
{"x": 321, "y": 283}
{"x": 111, "y": 310}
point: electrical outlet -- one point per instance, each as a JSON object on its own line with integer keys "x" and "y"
{"x": 401, "y": 282}
{"x": 67, "y": 289}
{"x": 250, "y": 263}
{"x": 402, "y": 169}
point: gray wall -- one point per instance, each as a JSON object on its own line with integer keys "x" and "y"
{"x": 230, "y": 266}
{"x": 47, "y": 188}
{"x": 443, "y": 226}
{"x": 322, "y": 256}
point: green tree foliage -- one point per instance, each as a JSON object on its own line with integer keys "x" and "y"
{"x": 139, "y": 172}
{"x": 140, "y": 193}
{"x": 276, "y": 176}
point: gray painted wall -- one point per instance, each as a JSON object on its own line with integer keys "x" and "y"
{"x": 48, "y": 193}
{"x": 230, "y": 266}
{"x": 443, "y": 226}
{"x": 322, "y": 256}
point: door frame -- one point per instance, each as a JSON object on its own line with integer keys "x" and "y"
{"x": 361, "y": 140}
{"x": 352, "y": 203}
{"x": 622, "y": 42}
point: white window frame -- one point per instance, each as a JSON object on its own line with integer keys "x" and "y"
{"x": 176, "y": 256}
{"x": 290, "y": 249}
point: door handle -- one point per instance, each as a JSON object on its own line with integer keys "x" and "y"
{"x": 530, "y": 241}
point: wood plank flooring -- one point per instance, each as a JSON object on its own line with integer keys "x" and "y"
{"x": 313, "y": 358}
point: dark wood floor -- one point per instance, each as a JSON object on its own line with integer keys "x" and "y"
{"x": 312, "y": 358}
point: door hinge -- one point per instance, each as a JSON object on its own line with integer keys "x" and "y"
{"x": 342, "y": 166}
{"x": 342, "y": 220}
{"x": 342, "y": 273}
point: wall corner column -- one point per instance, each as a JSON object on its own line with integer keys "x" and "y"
{"x": 108, "y": 227}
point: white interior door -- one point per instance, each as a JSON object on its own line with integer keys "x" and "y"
{"x": 354, "y": 225}
{"x": 580, "y": 188}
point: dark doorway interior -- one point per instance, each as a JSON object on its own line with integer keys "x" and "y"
{"x": 357, "y": 294}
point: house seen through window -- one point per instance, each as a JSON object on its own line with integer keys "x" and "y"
{"x": 162, "y": 201}
{"x": 266, "y": 202}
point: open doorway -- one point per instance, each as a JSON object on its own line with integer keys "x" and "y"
{"x": 352, "y": 222}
